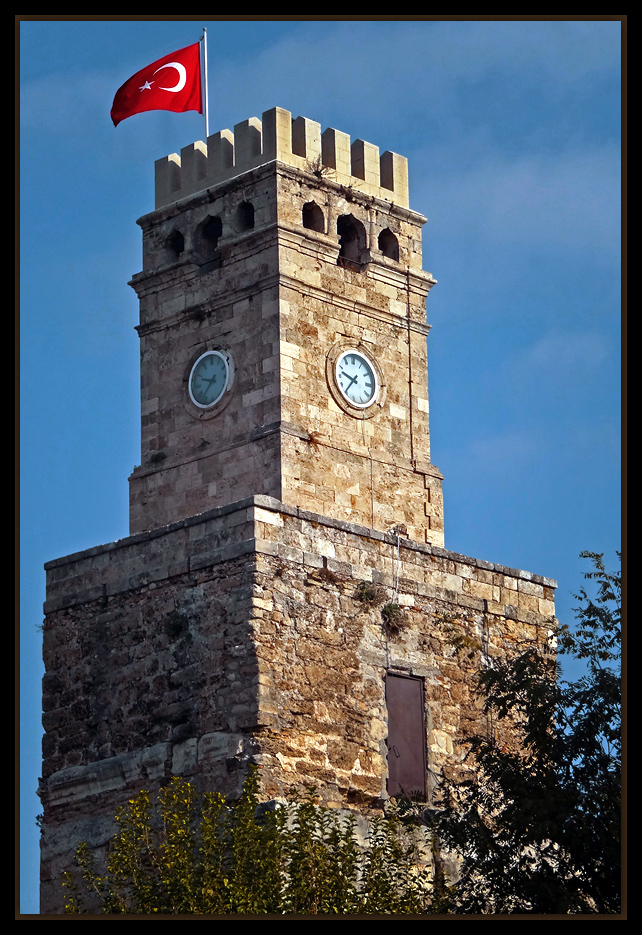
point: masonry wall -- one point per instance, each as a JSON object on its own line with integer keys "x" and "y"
{"x": 368, "y": 467}
{"x": 277, "y": 300}
{"x": 193, "y": 459}
{"x": 242, "y": 619}
{"x": 240, "y": 635}
{"x": 298, "y": 143}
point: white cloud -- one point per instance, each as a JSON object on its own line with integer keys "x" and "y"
{"x": 404, "y": 64}
{"x": 563, "y": 350}
{"x": 506, "y": 455}
{"x": 570, "y": 368}
{"x": 567, "y": 200}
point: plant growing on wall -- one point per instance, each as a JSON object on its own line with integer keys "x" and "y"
{"x": 393, "y": 617}
{"x": 370, "y": 593}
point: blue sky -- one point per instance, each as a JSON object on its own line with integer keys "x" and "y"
{"x": 512, "y": 132}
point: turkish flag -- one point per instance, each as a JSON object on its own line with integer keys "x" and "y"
{"x": 171, "y": 83}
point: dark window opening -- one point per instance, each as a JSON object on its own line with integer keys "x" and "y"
{"x": 207, "y": 240}
{"x": 176, "y": 242}
{"x": 212, "y": 231}
{"x": 352, "y": 243}
{"x": 245, "y": 217}
{"x": 406, "y": 736}
{"x": 312, "y": 217}
{"x": 389, "y": 245}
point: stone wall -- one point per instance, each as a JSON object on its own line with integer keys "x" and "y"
{"x": 286, "y": 551}
{"x": 277, "y": 301}
{"x": 243, "y": 634}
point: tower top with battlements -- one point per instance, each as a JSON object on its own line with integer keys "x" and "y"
{"x": 296, "y": 142}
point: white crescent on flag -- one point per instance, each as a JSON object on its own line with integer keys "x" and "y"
{"x": 182, "y": 75}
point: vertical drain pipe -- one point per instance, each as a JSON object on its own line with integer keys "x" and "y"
{"x": 397, "y": 570}
{"x": 412, "y": 444}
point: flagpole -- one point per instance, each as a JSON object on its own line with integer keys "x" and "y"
{"x": 205, "y": 101}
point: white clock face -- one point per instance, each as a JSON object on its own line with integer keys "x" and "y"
{"x": 209, "y": 379}
{"x": 356, "y": 379}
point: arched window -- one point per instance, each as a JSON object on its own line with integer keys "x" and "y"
{"x": 312, "y": 217}
{"x": 207, "y": 239}
{"x": 389, "y": 245}
{"x": 244, "y": 217}
{"x": 212, "y": 230}
{"x": 176, "y": 242}
{"x": 352, "y": 243}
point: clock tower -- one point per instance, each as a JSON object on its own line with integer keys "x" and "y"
{"x": 284, "y": 596}
{"x": 283, "y": 332}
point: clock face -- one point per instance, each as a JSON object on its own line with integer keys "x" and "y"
{"x": 356, "y": 379}
{"x": 209, "y": 379}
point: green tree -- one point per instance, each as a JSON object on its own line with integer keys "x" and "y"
{"x": 537, "y": 821}
{"x": 215, "y": 857}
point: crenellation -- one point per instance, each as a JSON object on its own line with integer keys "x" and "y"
{"x": 168, "y": 179}
{"x": 247, "y": 144}
{"x": 297, "y": 142}
{"x": 364, "y": 162}
{"x": 335, "y": 152}
{"x": 193, "y": 166}
{"x": 306, "y": 140}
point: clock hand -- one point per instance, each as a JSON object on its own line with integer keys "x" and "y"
{"x": 353, "y": 379}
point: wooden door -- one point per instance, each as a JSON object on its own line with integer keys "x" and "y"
{"x": 406, "y": 736}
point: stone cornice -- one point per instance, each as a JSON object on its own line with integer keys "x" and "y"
{"x": 272, "y": 168}
{"x": 276, "y": 508}
{"x": 291, "y": 282}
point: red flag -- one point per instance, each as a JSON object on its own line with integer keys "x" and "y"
{"x": 171, "y": 83}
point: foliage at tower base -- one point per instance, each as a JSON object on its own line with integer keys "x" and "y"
{"x": 220, "y": 858}
{"x": 537, "y": 821}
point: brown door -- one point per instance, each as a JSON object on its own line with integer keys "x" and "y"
{"x": 406, "y": 736}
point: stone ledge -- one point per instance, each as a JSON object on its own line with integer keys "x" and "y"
{"x": 223, "y": 554}
{"x": 132, "y": 562}
{"x": 77, "y": 782}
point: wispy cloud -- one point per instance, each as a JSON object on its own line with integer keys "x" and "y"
{"x": 420, "y": 64}
{"x": 568, "y": 200}
{"x": 563, "y": 350}
{"x": 506, "y": 452}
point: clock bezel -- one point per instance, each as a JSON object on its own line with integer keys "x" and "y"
{"x": 357, "y": 411}
{"x": 371, "y": 368}
{"x": 206, "y": 410}
{"x": 210, "y": 353}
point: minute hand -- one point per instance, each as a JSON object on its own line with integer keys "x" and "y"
{"x": 352, "y": 380}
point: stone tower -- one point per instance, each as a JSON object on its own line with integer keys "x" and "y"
{"x": 284, "y": 596}
{"x": 292, "y": 260}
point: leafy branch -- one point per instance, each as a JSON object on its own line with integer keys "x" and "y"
{"x": 220, "y": 857}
